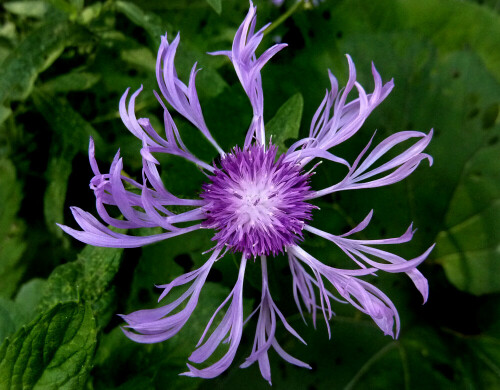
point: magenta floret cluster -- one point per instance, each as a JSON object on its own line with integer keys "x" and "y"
{"x": 256, "y": 203}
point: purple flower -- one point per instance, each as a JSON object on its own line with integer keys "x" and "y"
{"x": 257, "y": 204}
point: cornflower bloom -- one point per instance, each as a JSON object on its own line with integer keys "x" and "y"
{"x": 257, "y": 204}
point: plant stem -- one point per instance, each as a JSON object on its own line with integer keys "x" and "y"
{"x": 284, "y": 16}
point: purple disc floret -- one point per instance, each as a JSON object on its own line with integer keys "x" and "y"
{"x": 255, "y": 203}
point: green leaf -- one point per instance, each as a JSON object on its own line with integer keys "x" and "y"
{"x": 152, "y": 23}
{"x": 286, "y": 123}
{"x": 29, "y": 294}
{"x": 470, "y": 252}
{"x": 12, "y": 245}
{"x": 484, "y": 358}
{"x": 468, "y": 246}
{"x": 10, "y": 196}
{"x": 11, "y": 268}
{"x": 90, "y": 13}
{"x": 478, "y": 363}
{"x": 89, "y": 278}
{"x": 481, "y": 34}
{"x": 72, "y": 134}
{"x": 33, "y": 55}
{"x": 450, "y": 25}
{"x": 58, "y": 173}
{"x": 53, "y": 351}
{"x": 216, "y": 5}
{"x": 8, "y": 34}
{"x": 140, "y": 57}
{"x": 11, "y": 317}
{"x": 74, "y": 81}
{"x": 34, "y": 9}
{"x": 14, "y": 314}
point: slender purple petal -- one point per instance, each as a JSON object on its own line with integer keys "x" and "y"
{"x": 183, "y": 98}
{"x": 399, "y": 167}
{"x": 232, "y": 323}
{"x": 248, "y": 66}
{"x": 362, "y": 295}
{"x": 155, "y": 325}
{"x": 265, "y": 332}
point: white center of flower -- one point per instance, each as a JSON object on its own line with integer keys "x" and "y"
{"x": 255, "y": 202}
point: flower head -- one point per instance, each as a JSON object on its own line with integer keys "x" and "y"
{"x": 257, "y": 204}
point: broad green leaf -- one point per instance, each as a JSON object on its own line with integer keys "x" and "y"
{"x": 11, "y": 268}
{"x": 216, "y": 5}
{"x": 29, "y": 295}
{"x": 485, "y": 355}
{"x": 35, "y": 54}
{"x": 74, "y": 81}
{"x": 469, "y": 248}
{"x": 11, "y": 317}
{"x": 12, "y": 245}
{"x": 90, "y": 13}
{"x": 478, "y": 363}
{"x": 141, "y": 57}
{"x": 58, "y": 173}
{"x": 465, "y": 24}
{"x": 10, "y": 196}
{"x": 71, "y": 134}
{"x": 8, "y": 32}
{"x": 450, "y": 25}
{"x": 286, "y": 122}
{"x": 53, "y": 351}
{"x": 154, "y": 26}
{"x": 22, "y": 310}
{"x": 89, "y": 278}
{"x": 34, "y": 9}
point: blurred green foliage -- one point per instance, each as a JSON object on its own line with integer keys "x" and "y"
{"x": 64, "y": 66}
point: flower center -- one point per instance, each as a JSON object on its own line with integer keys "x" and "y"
{"x": 255, "y": 203}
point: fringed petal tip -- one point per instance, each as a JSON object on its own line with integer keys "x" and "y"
{"x": 65, "y": 228}
{"x": 420, "y": 281}
{"x": 206, "y": 373}
{"x": 191, "y": 373}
